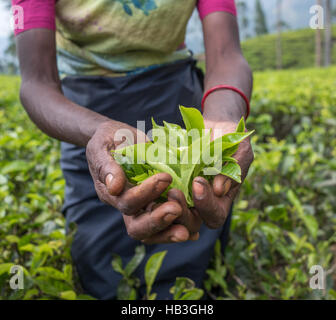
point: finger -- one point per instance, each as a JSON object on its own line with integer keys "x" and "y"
{"x": 103, "y": 195}
{"x": 115, "y": 178}
{"x": 175, "y": 233}
{"x": 148, "y": 224}
{"x": 152, "y": 206}
{"x": 190, "y": 219}
{"x": 194, "y": 236}
{"x": 221, "y": 185}
{"x": 138, "y": 197}
{"x": 245, "y": 157}
{"x": 105, "y": 169}
{"x": 212, "y": 209}
{"x": 230, "y": 196}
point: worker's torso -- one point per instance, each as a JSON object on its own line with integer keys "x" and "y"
{"x": 115, "y": 37}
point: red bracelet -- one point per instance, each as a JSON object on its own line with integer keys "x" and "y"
{"x": 223, "y": 86}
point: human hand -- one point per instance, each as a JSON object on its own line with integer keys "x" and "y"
{"x": 144, "y": 219}
{"x": 213, "y": 202}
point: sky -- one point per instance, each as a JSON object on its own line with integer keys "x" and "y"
{"x": 4, "y": 21}
{"x": 294, "y": 12}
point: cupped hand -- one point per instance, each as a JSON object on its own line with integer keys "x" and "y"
{"x": 213, "y": 202}
{"x": 145, "y": 220}
{"x": 189, "y": 218}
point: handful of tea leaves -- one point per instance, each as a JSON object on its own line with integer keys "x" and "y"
{"x": 183, "y": 153}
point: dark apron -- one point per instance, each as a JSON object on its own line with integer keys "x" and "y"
{"x": 101, "y": 231}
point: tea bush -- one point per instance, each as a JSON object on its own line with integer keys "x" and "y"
{"x": 284, "y": 220}
{"x": 260, "y": 51}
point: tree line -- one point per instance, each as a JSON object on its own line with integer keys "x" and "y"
{"x": 261, "y": 27}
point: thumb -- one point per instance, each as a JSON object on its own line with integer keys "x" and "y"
{"x": 112, "y": 175}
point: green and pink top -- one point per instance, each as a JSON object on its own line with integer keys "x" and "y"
{"x": 115, "y": 37}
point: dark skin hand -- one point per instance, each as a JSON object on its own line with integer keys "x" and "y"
{"x": 223, "y": 109}
{"x": 54, "y": 114}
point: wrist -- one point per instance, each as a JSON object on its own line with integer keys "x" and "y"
{"x": 224, "y": 106}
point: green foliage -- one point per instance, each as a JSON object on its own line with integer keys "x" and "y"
{"x": 31, "y": 192}
{"x": 183, "y": 153}
{"x": 260, "y": 25}
{"x": 298, "y": 50}
{"x": 128, "y": 285}
{"x": 152, "y": 268}
{"x": 183, "y": 289}
{"x": 283, "y": 222}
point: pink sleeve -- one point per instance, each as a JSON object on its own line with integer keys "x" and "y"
{"x": 206, "y": 7}
{"x": 32, "y": 14}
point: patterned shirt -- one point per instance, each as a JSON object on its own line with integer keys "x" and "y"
{"x": 115, "y": 37}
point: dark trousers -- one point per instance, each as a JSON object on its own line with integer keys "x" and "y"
{"x": 101, "y": 230}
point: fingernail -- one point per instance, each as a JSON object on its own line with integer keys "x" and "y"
{"x": 108, "y": 179}
{"x": 227, "y": 186}
{"x": 199, "y": 190}
{"x": 165, "y": 179}
{"x": 162, "y": 184}
{"x": 174, "y": 239}
{"x": 170, "y": 217}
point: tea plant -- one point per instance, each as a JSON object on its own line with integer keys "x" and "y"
{"x": 183, "y": 289}
{"x": 284, "y": 220}
{"x": 183, "y": 153}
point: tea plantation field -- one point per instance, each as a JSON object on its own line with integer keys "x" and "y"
{"x": 284, "y": 221}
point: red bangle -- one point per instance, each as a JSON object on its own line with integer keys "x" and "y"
{"x": 223, "y": 86}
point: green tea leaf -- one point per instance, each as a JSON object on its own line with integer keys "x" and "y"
{"x": 135, "y": 261}
{"x": 192, "y": 119}
{"x": 309, "y": 220}
{"x": 68, "y": 295}
{"x": 193, "y": 294}
{"x": 181, "y": 285}
{"x": 125, "y": 291}
{"x": 233, "y": 171}
{"x": 5, "y": 268}
{"x": 16, "y": 166}
{"x": 183, "y": 153}
{"x": 117, "y": 264}
{"x": 152, "y": 268}
{"x": 241, "y": 125}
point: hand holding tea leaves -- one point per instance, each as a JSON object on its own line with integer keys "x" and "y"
{"x": 213, "y": 201}
{"x": 192, "y": 159}
{"x": 144, "y": 220}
